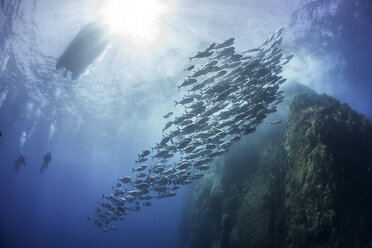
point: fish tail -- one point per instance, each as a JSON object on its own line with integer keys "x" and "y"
{"x": 132, "y": 170}
{"x": 176, "y": 103}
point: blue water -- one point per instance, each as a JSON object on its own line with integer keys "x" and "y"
{"x": 95, "y": 126}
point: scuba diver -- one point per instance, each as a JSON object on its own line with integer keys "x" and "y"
{"x": 47, "y": 159}
{"x": 21, "y": 160}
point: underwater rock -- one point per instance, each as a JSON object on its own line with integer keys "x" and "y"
{"x": 329, "y": 179}
{"x": 308, "y": 186}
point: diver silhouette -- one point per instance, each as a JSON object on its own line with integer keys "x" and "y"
{"x": 47, "y": 159}
{"x": 21, "y": 160}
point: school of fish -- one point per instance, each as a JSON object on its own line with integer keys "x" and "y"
{"x": 228, "y": 95}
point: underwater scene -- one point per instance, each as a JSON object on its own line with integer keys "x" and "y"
{"x": 185, "y": 124}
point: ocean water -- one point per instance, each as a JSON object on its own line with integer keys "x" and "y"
{"x": 96, "y": 125}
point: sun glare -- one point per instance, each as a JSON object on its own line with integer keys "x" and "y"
{"x": 139, "y": 22}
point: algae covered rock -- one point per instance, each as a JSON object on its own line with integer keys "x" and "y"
{"x": 329, "y": 178}
{"x": 306, "y": 183}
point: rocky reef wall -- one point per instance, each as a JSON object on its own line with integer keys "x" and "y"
{"x": 304, "y": 183}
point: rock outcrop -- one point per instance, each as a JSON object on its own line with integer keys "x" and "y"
{"x": 306, "y": 183}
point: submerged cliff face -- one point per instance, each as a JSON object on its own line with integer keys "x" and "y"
{"x": 304, "y": 183}
{"x": 329, "y": 175}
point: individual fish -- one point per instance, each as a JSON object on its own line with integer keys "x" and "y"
{"x": 202, "y": 161}
{"x": 165, "y": 195}
{"x": 185, "y": 123}
{"x": 139, "y": 168}
{"x": 125, "y": 179}
{"x": 161, "y": 154}
{"x": 144, "y": 153}
{"x": 162, "y": 181}
{"x": 200, "y": 55}
{"x": 141, "y": 175}
{"x": 140, "y": 160}
{"x": 274, "y": 122}
{"x": 190, "y": 68}
{"x": 175, "y": 187}
{"x": 169, "y": 171}
{"x": 211, "y": 46}
{"x": 168, "y": 115}
{"x": 203, "y": 167}
{"x": 184, "y": 142}
{"x": 134, "y": 193}
{"x": 147, "y": 197}
{"x": 112, "y": 227}
{"x": 212, "y": 63}
{"x": 235, "y": 57}
{"x": 196, "y": 176}
{"x": 187, "y": 82}
{"x": 162, "y": 189}
{"x": 252, "y": 50}
{"x": 168, "y": 125}
{"x": 226, "y": 43}
{"x": 185, "y": 100}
